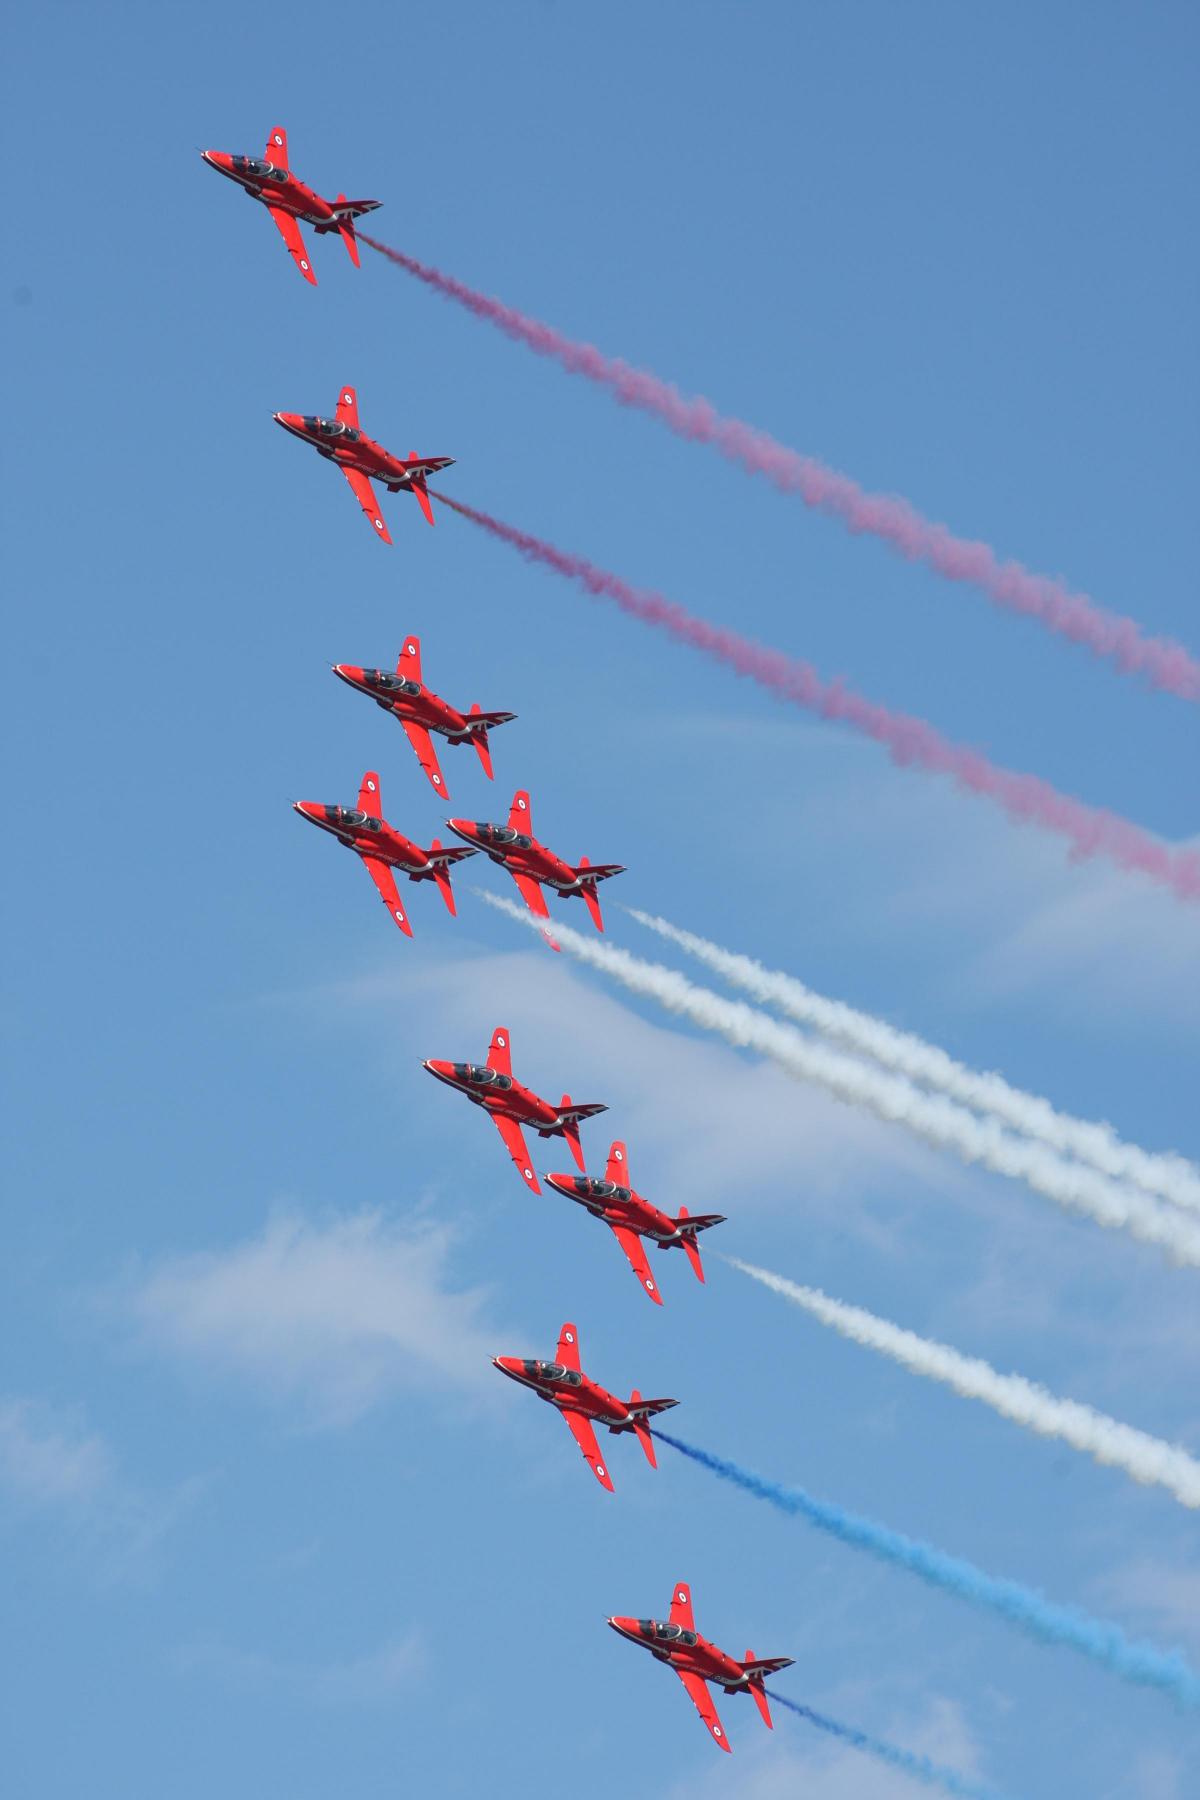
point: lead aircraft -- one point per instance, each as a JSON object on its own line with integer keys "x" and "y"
{"x": 583, "y": 1403}
{"x": 286, "y": 198}
{"x": 382, "y": 848}
{"x": 631, "y": 1218}
{"x": 421, "y": 711}
{"x": 530, "y": 863}
{"x": 511, "y": 1106}
{"x": 696, "y": 1661}
{"x": 361, "y": 460}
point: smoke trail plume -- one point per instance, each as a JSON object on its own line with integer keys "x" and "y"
{"x": 1010, "y": 585}
{"x": 1148, "y": 1459}
{"x": 938, "y": 1121}
{"x": 1171, "y": 1176}
{"x": 910, "y": 741}
{"x": 1134, "y": 1659}
{"x": 923, "y": 1768}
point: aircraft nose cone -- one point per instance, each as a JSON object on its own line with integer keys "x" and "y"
{"x": 308, "y": 809}
{"x": 347, "y": 672}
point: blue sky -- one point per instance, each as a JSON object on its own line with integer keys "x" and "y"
{"x": 272, "y": 1522}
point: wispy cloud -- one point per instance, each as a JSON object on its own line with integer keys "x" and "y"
{"x": 54, "y": 1467}
{"x": 360, "y": 1681}
{"x": 338, "y": 1313}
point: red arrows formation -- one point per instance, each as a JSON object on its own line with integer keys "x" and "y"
{"x": 387, "y": 852}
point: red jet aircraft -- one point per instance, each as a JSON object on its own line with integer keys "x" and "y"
{"x": 582, "y": 1402}
{"x": 288, "y": 200}
{"x": 362, "y": 460}
{"x": 383, "y": 848}
{"x": 631, "y": 1218}
{"x": 510, "y": 1105}
{"x": 421, "y": 711}
{"x": 530, "y": 863}
{"x": 696, "y": 1661}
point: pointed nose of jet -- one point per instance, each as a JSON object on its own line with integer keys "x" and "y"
{"x": 508, "y": 1365}
{"x": 443, "y": 1070}
{"x": 464, "y": 828}
{"x": 311, "y": 810}
{"x": 290, "y": 422}
{"x": 349, "y": 673}
{"x": 625, "y": 1626}
{"x": 218, "y": 159}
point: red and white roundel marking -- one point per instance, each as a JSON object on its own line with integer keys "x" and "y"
{"x": 379, "y": 524}
{"x": 303, "y": 265}
{"x": 371, "y": 786}
{"x": 347, "y": 399}
{"x": 569, "y": 1336}
{"x": 529, "y": 1174}
{"x": 649, "y": 1285}
{"x": 600, "y": 1470}
{"x": 278, "y": 139}
{"x": 681, "y": 1596}
{"x": 618, "y": 1156}
{"x": 500, "y": 1043}
{"x": 521, "y": 804}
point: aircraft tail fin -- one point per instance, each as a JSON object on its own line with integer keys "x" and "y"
{"x": 642, "y": 1411}
{"x": 479, "y": 737}
{"x": 441, "y": 874}
{"x": 499, "y": 1056}
{"x": 756, "y": 1669}
{"x": 570, "y": 1131}
{"x": 690, "y": 1247}
{"x": 420, "y": 488}
{"x": 345, "y": 224}
{"x": 758, "y": 1690}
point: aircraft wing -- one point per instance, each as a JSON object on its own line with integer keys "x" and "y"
{"x": 531, "y": 894}
{"x": 702, "y": 1701}
{"x": 421, "y": 742}
{"x": 290, "y": 230}
{"x": 365, "y": 495}
{"x": 617, "y": 1169}
{"x": 385, "y": 881}
{"x": 681, "y": 1606}
{"x": 514, "y": 1143}
{"x": 632, "y": 1245}
{"x": 585, "y": 1437}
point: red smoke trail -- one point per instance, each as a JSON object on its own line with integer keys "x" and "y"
{"x": 909, "y": 741}
{"x": 1165, "y": 663}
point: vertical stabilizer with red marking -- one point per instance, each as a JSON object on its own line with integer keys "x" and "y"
{"x": 479, "y": 738}
{"x": 590, "y": 897}
{"x": 441, "y": 874}
{"x": 643, "y": 1430}
{"x": 417, "y": 483}
{"x": 759, "y": 1692}
{"x": 276, "y": 152}
{"x": 499, "y": 1056}
{"x": 570, "y": 1130}
{"x": 346, "y": 227}
{"x": 520, "y": 813}
{"x": 690, "y": 1247}
{"x": 347, "y": 408}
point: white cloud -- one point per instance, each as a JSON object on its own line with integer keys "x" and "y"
{"x": 1165, "y": 1595}
{"x": 363, "y": 1680}
{"x": 50, "y": 1458}
{"x": 341, "y": 1312}
{"x": 821, "y": 1768}
{"x": 52, "y": 1466}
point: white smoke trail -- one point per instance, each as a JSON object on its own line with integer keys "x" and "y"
{"x": 938, "y": 1121}
{"x": 1170, "y": 1175}
{"x": 1148, "y": 1459}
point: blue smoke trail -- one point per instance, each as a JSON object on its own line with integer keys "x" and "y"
{"x": 921, "y": 1766}
{"x": 1136, "y": 1660}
